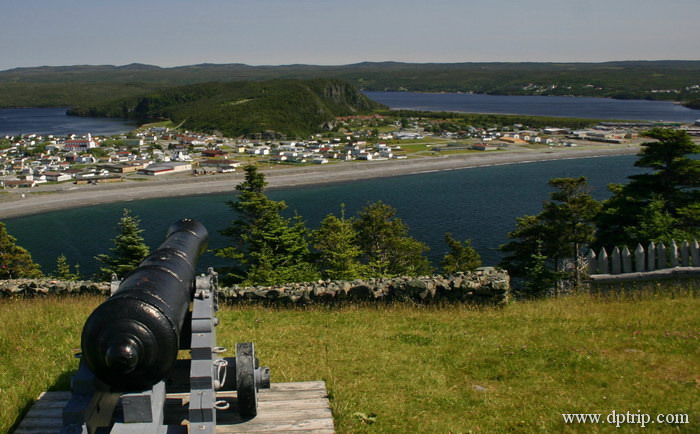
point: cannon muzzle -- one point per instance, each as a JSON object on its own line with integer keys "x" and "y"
{"x": 131, "y": 341}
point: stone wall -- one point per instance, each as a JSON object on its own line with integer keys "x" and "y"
{"x": 481, "y": 287}
{"x": 486, "y": 286}
{"x": 33, "y": 287}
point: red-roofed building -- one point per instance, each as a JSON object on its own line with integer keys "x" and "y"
{"x": 78, "y": 145}
{"x": 213, "y": 153}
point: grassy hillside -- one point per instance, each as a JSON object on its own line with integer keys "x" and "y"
{"x": 426, "y": 369}
{"x": 293, "y": 108}
{"x": 642, "y": 79}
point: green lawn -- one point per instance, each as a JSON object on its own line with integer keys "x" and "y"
{"x": 426, "y": 369}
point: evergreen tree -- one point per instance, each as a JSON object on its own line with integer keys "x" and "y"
{"x": 15, "y": 261}
{"x": 63, "y": 269}
{"x": 266, "y": 248}
{"x": 128, "y": 251}
{"x": 560, "y": 231}
{"x": 539, "y": 280}
{"x": 461, "y": 256}
{"x": 387, "y": 249}
{"x": 661, "y": 203}
{"x": 339, "y": 253}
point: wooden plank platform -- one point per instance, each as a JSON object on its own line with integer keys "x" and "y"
{"x": 285, "y": 407}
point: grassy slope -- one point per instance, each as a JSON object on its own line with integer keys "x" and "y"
{"x": 427, "y": 369}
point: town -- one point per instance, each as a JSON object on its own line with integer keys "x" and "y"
{"x": 30, "y": 160}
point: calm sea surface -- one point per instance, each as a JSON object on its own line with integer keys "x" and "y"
{"x": 55, "y": 121}
{"x": 577, "y": 107}
{"x": 477, "y": 203}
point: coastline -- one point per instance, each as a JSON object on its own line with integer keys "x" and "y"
{"x": 63, "y": 196}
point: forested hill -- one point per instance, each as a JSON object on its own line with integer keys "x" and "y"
{"x": 89, "y": 84}
{"x": 292, "y": 108}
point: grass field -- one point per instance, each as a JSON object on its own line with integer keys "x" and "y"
{"x": 407, "y": 368}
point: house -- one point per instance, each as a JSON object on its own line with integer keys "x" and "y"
{"x": 122, "y": 167}
{"x": 278, "y": 158}
{"x": 79, "y": 145}
{"x": 221, "y": 165}
{"x": 180, "y": 156}
{"x": 213, "y": 153}
{"x": 512, "y": 140}
{"x": 166, "y": 168}
{"x": 484, "y": 147}
{"x": 17, "y": 183}
{"x": 86, "y": 159}
{"x": 554, "y": 131}
{"x": 258, "y": 150}
{"x": 52, "y": 176}
{"x": 89, "y": 174}
{"x": 188, "y": 140}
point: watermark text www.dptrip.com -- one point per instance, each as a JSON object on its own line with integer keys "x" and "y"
{"x": 618, "y": 418}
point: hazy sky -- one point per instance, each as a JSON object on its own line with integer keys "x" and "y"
{"x": 273, "y": 32}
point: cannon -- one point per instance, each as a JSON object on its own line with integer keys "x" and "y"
{"x": 130, "y": 345}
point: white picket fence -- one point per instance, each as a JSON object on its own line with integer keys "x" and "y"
{"x": 654, "y": 257}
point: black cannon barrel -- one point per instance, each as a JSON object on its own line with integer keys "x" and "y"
{"x": 131, "y": 341}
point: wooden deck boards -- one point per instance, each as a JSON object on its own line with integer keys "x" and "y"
{"x": 296, "y": 407}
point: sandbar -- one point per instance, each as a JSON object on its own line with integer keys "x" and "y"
{"x": 46, "y": 198}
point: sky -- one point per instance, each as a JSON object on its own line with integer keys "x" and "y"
{"x": 336, "y": 32}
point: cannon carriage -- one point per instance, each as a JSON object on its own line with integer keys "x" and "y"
{"x": 130, "y": 346}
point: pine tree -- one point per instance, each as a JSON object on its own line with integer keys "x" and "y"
{"x": 266, "y": 248}
{"x": 339, "y": 254}
{"x": 539, "y": 280}
{"x": 387, "y": 249}
{"x": 670, "y": 192}
{"x": 461, "y": 256}
{"x": 560, "y": 231}
{"x": 128, "y": 251}
{"x": 15, "y": 261}
{"x": 63, "y": 269}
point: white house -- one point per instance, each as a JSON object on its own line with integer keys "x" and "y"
{"x": 166, "y": 168}
{"x": 57, "y": 176}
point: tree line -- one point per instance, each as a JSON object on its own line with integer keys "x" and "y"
{"x": 660, "y": 205}
{"x": 266, "y": 248}
{"x": 544, "y": 254}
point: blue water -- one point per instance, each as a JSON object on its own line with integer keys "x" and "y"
{"x": 562, "y": 106}
{"x": 54, "y": 121}
{"x": 476, "y": 203}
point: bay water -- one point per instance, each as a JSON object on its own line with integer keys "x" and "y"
{"x": 532, "y": 105}
{"x": 45, "y": 121}
{"x": 480, "y": 204}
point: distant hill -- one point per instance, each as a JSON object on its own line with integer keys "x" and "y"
{"x": 90, "y": 84}
{"x": 293, "y": 108}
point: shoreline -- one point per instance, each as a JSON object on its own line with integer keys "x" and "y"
{"x": 64, "y": 196}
